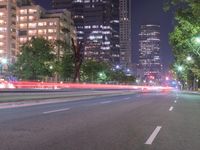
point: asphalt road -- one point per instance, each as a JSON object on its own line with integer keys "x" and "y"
{"x": 148, "y": 121}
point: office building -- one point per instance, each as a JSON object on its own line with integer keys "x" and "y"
{"x": 125, "y": 33}
{"x": 149, "y": 52}
{"x": 7, "y": 32}
{"x": 97, "y": 25}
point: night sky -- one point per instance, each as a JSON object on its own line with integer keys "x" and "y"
{"x": 145, "y": 12}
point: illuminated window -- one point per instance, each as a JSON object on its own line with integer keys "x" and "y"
{"x": 23, "y": 25}
{"x": 2, "y": 22}
{"x": 24, "y": 18}
{"x": 1, "y": 14}
{"x": 1, "y": 44}
{"x": 51, "y": 37}
{"x": 32, "y": 11}
{"x": 32, "y": 32}
{"x": 31, "y": 18}
{"x": 41, "y": 31}
{"x": 2, "y": 29}
{"x": 87, "y": 27}
{"x": 1, "y": 36}
{"x": 52, "y": 23}
{"x": 51, "y": 30}
{"x": 42, "y": 23}
{"x": 23, "y": 40}
{"x": 23, "y": 11}
{"x": 32, "y": 25}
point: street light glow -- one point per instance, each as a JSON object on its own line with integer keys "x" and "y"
{"x": 180, "y": 68}
{"x": 51, "y": 67}
{"x": 197, "y": 40}
{"x": 189, "y": 58}
{"x": 4, "y": 61}
{"x": 117, "y": 67}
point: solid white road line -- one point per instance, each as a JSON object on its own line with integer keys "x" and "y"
{"x": 54, "y": 111}
{"x": 153, "y": 135}
{"x": 171, "y": 108}
{"x": 106, "y": 102}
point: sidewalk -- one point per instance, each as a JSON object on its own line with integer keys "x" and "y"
{"x": 191, "y": 92}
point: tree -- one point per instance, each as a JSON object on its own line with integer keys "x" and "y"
{"x": 187, "y": 28}
{"x": 78, "y": 55}
{"x": 120, "y": 76}
{"x": 67, "y": 67}
{"x": 94, "y": 71}
{"x": 36, "y": 60}
{"x": 65, "y": 61}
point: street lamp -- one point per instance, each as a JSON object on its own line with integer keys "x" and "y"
{"x": 189, "y": 58}
{"x": 180, "y": 68}
{"x": 51, "y": 67}
{"x": 117, "y": 67}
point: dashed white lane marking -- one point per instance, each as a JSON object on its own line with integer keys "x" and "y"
{"x": 106, "y": 102}
{"x": 171, "y": 108}
{"x": 153, "y": 135}
{"x": 54, "y": 111}
{"x": 127, "y": 98}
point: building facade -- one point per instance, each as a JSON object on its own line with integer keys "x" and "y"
{"x": 7, "y": 32}
{"x": 20, "y": 20}
{"x": 34, "y": 21}
{"x": 149, "y": 53}
{"x": 97, "y": 25}
{"x": 125, "y": 33}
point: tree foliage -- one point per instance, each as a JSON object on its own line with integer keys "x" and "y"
{"x": 187, "y": 27}
{"x": 36, "y": 60}
{"x": 101, "y": 72}
{"x": 93, "y": 71}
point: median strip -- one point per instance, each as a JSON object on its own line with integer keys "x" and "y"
{"x": 153, "y": 135}
{"x": 54, "y": 111}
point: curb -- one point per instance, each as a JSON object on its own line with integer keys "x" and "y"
{"x": 50, "y": 100}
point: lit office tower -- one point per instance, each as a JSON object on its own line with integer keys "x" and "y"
{"x": 95, "y": 22}
{"x": 7, "y": 32}
{"x": 125, "y": 32}
{"x": 149, "y": 57}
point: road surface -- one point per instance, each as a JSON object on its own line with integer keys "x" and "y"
{"x": 145, "y": 121}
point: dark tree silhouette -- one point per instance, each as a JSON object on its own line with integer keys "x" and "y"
{"x": 78, "y": 55}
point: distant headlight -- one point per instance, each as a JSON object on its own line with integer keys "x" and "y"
{"x": 2, "y": 86}
{"x": 10, "y": 86}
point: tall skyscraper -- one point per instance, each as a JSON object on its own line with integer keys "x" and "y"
{"x": 7, "y": 31}
{"x": 97, "y": 25}
{"x": 125, "y": 32}
{"x": 149, "y": 57}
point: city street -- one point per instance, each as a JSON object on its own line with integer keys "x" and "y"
{"x": 138, "y": 121}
